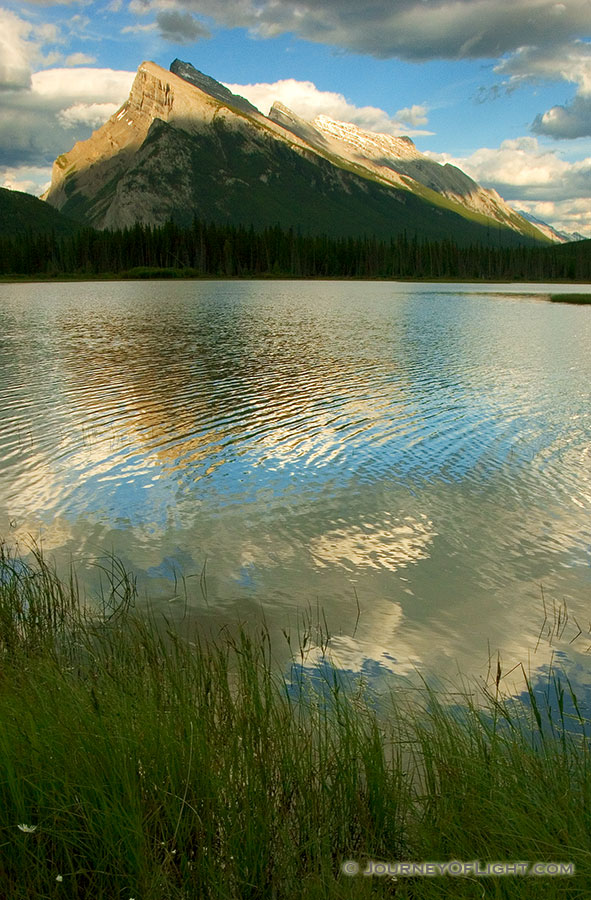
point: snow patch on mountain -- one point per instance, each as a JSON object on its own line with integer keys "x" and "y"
{"x": 370, "y": 144}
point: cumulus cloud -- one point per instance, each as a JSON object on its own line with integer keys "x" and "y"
{"x": 565, "y": 62}
{"x": 564, "y": 215}
{"x": 92, "y": 85}
{"x": 522, "y": 169}
{"x": 90, "y": 114}
{"x": 408, "y": 29}
{"x": 414, "y": 115}
{"x": 570, "y": 63}
{"x": 305, "y": 99}
{"x": 180, "y": 27}
{"x": 25, "y": 45}
{"x": 36, "y": 123}
{"x": 570, "y": 121}
{"x": 79, "y": 59}
{"x": 529, "y": 176}
{"x": 30, "y": 179}
{"x": 17, "y": 51}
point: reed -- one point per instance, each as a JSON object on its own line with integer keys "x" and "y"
{"x": 139, "y": 762}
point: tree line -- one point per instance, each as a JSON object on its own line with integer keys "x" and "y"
{"x": 215, "y": 250}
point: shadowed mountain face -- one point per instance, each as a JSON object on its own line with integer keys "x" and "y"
{"x": 298, "y": 126}
{"x": 21, "y": 213}
{"x": 212, "y": 87}
{"x": 183, "y": 146}
{"x": 397, "y": 160}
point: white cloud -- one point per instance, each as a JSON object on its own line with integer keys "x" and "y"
{"x": 528, "y": 176}
{"x": 17, "y": 50}
{"x": 79, "y": 59}
{"x": 24, "y": 44}
{"x": 564, "y": 215}
{"x": 414, "y": 115}
{"x": 30, "y": 179}
{"x": 573, "y": 120}
{"x": 36, "y": 124}
{"x": 92, "y": 85}
{"x": 565, "y": 62}
{"x": 91, "y": 114}
{"x": 305, "y": 99}
{"x": 570, "y": 63}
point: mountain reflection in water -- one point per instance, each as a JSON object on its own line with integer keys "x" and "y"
{"x": 419, "y": 450}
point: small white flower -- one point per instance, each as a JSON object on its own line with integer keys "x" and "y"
{"x": 28, "y": 829}
{"x": 59, "y": 877}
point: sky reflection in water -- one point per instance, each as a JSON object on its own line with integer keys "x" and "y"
{"x": 422, "y": 448}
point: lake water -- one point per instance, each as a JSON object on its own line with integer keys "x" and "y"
{"x": 413, "y": 460}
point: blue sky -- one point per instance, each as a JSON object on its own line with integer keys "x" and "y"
{"x": 501, "y": 88}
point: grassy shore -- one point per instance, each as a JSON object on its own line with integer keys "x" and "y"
{"x": 139, "y": 762}
{"x": 579, "y": 299}
{"x": 145, "y": 273}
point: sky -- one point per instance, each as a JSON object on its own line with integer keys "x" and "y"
{"x": 500, "y": 88}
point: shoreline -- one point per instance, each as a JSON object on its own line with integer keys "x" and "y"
{"x": 106, "y": 277}
{"x": 145, "y": 762}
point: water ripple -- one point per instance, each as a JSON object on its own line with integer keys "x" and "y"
{"x": 424, "y": 441}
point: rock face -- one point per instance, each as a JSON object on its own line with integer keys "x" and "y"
{"x": 86, "y": 180}
{"x": 397, "y": 160}
{"x": 212, "y": 87}
{"x": 183, "y": 146}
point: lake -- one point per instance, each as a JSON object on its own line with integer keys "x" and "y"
{"x": 410, "y": 461}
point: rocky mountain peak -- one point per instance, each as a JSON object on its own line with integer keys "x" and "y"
{"x": 371, "y": 144}
{"x": 210, "y": 86}
{"x": 183, "y": 144}
{"x": 293, "y": 123}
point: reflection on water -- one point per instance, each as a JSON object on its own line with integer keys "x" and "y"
{"x": 387, "y": 545}
{"x": 420, "y": 449}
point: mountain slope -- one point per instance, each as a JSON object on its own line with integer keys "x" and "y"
{"x": 559, "y": 237}
{"x": 183, "y": 146}
{"x": 21, "y": 213}
{"x": 397, "y": 160}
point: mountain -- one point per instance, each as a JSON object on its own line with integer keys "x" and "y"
{"x": 559, "y": 237}
{"x": 21, "y": 213}
{"x": 183, "y": 146}
{"x": 397, "y": 160}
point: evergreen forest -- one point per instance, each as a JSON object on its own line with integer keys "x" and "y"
{"x": 214, "y": 250}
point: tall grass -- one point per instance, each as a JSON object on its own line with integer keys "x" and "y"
{"x": 145, "y": 763}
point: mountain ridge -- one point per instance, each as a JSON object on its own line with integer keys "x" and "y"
{"x": 559, "y": 237}
{"x": 183, "y": 145}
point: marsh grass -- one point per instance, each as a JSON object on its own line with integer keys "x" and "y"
{"x": 146, "y": 762}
